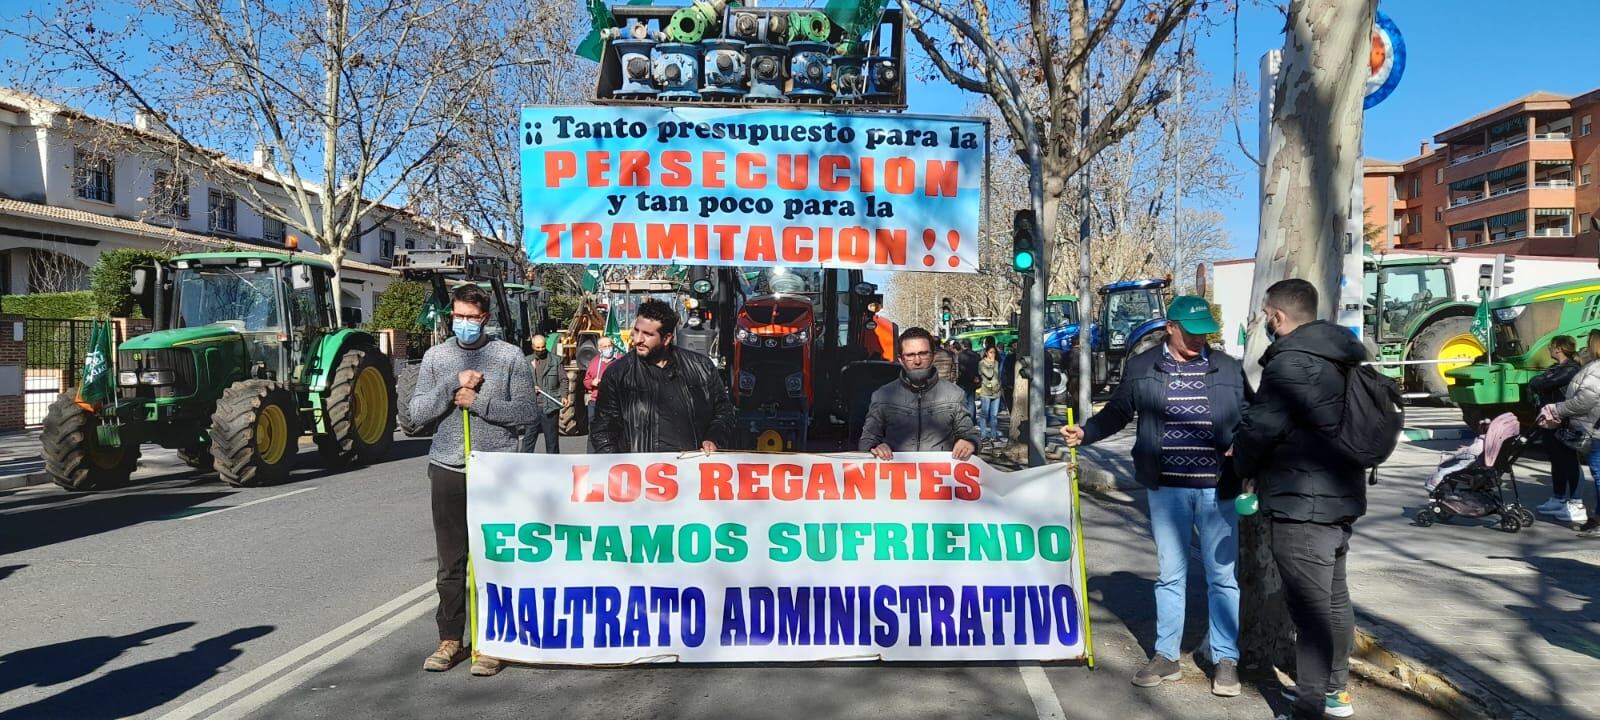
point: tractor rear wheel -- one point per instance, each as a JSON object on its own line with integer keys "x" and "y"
{"x": 573, "y": 417}
{"x": 405, "y": 386}
{"x": 73, "y": 455}
{"x": 255, "y": 433}
{"x": 359, "y": 410}
{"x": 197, "y": 457}
{"x": 1448, "y": 338}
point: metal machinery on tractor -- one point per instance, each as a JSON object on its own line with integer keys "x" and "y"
{"x": 1132, "y": 319}
{"x": 246, "y": 357}
{"x": 1059, "y": 310}
{"x": 516, "y": 307}
{"x": 805, "y": 348}
{"x": 1414, "y": 325}
{"x": 1521, "y": 326}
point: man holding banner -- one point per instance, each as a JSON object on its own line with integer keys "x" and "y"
{"x": 471, "y": 383}
{"x": 661, "y": 398}
{"x": 1187, "y": 399}
{"x": 919, "y": 412}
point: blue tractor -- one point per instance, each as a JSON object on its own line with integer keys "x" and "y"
{"x": 1132, "y": 318}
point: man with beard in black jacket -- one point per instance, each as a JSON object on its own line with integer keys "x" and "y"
{"x": 1311, "y": 493}
{"x": 660, "y": 397}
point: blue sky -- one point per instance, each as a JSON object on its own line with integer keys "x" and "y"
{"x": 1463, "y": 57}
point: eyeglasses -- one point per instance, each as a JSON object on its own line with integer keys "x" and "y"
{"x": 459, "y": 316}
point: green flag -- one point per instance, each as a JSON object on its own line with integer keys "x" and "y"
{"x": 98, "y": 386}
{"x": 600, "y": 18}
{"x": 1480, "y": 325}
{"x": 590, "y": 281}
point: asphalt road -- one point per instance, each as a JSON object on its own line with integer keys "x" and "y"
{"x": 180, "y": 597}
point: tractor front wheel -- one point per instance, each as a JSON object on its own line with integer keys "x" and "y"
{"x": 573, "y": 417}
{"x": 255, "y": 433}
{"x": 73, "y": 455}
{"x": 359, "y": 410}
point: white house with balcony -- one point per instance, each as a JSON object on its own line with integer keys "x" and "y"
{"x": 73, "y": 186}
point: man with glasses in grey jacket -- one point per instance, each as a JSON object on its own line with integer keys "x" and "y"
{"x": 919, "y": 412}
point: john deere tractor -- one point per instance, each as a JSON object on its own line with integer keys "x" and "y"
{"x": 1412, "y": 314}
{"x": 247, "y": 357}
{"x": 1521, "y": 327}
{"x": 514, "y": 308}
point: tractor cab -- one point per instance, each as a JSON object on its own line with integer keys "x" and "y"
{"x": 1414, "y": 326}
{"x": 1399, "y": 292}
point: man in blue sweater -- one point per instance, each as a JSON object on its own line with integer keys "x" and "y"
{"x": 1187, "y": 398}
{"x": 476, "y": 375}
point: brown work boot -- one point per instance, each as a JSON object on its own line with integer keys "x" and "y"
{"x": 449, "y": 655}
{"x": 485, "y": 666}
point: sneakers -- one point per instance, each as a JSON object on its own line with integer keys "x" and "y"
{"x": 1337, "y": 705}
{"x": 1225, "y": 681}
{"x": 1551, "y": 506}
{"x": 1158, "y": 669}
{"x": 1572, "y": 511}
{"x": 449, "y": 655}
{"x": 1590, "y": 529}
{"x": 487, "y": 666}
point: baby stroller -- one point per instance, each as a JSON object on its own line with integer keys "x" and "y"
{"x": 1478, "y": 490}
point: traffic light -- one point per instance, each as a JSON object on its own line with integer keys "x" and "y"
{"x": 1502, "y": 269}
{"x": 701, "y": 282}
{"x": 944, "y": 310}
{"x": 1024, "y": 256}
{"x": 1486, "y": 276}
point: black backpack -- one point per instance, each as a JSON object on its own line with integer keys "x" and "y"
{"x": 1374, "y": 416}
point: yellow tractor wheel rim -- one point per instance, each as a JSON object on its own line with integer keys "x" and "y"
{"x": 769, "y": 441}
{"x": 272, "y": 434}
{"x": 371, "y": 406}
{"x": 1463, "y": 348}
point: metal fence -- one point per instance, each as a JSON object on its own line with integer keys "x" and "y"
{"x": 56, "y": 349}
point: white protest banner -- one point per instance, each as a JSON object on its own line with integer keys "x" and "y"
{"x": 598, "y": 559}
{"x": 752, "y": 188}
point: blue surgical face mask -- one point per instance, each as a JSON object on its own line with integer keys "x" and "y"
{"x": 608, "y": 353}
{"x": 466, "y": 331}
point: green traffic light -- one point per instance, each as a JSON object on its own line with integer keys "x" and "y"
{"x": 1022, "y": 261}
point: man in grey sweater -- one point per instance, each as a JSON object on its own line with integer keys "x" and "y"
{"x": 488, "y": 380}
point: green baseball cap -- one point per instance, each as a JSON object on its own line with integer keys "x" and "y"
{"x": 1193, "y": 314}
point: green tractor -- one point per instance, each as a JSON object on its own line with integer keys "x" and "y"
{"x": 1411, "y": 314}
{"x": 247, "y": 357}
{"x": 1522, "y": 325}
{"x": 514, "y": 310}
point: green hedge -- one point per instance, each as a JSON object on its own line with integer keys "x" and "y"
{"x": 111, "y": 276}
{"x": 50, "y": 305}
{"x": 398, "y": 307}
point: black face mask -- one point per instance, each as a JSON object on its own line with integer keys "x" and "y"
{"x": 541, "y": 354}
{"x": 919, "y": 378}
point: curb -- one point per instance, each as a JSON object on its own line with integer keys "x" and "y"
{"x": 1422, "y": 434}
{"x": 1379, "y": 664}
{"x": 13, "y": 482}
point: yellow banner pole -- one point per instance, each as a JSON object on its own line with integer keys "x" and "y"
{"x": 1077, "y": 534}
{"x": 472, "y": 581}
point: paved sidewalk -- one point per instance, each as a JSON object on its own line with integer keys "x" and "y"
{"x": 1510, "y": 619}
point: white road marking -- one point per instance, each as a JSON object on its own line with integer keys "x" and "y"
{"x": 1043, "y": 695}
{"x": 416, "y": 596}
{"x": 246, "y": 504}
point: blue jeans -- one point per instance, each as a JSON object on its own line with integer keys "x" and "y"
{"x": 1594, "y": 474}
{"x": 1175, "y": 513}
{"x": 989, "y": 417}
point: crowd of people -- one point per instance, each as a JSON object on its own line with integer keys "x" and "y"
{"x": 1204, "y": 439}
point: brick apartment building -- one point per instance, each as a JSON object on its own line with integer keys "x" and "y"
{"x": 1518, "y": 179}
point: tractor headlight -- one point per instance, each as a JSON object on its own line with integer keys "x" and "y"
{"x": 127, "y": 378}
{"x": 1119, "y": 339}
{"x": 701, "y": 287}
{"x": 747, "y": 382}
{"x": 795, "y": 384}
{"x": 795, "y": 338}
{"x": 694, "y": 321}
{"x": 156, "y": 377}
{"x": 1507, "y": 314}
{"x": 748, "y": 338}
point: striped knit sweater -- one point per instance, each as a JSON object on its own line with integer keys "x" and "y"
{"x": 1189, "y": 455}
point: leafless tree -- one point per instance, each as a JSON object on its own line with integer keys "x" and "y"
{"x": 50, "y": 271}
{"x": 350, "y": 98}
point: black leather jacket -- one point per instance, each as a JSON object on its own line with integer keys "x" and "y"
{"x": 627, "y": 413}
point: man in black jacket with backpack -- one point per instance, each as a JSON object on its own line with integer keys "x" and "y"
{"x": 1288, "y": 441}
